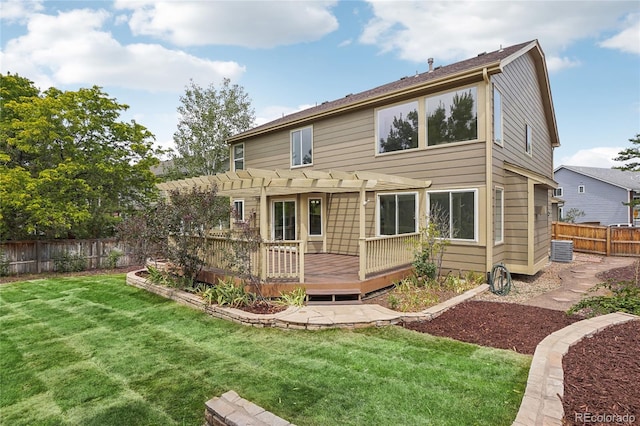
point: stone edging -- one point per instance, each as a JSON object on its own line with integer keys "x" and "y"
{"x": 231, "y": 409}
{"x": 280, "y": 319}
{"x": 542, "y": 401}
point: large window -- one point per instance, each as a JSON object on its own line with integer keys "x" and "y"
{"x": 284, "y": 220}
{"x": 497, "y": 116}
{"x": 238, "y": 157}
{"x": 398, "y": 127}
{"x": 452, "y": 117}
{"x": 397, "y": 213}
{"x": 315, "y": 216}
{"x": 302, "y": 147}
{"x": 458, "y": 211}
{"x": 498, "y": 217}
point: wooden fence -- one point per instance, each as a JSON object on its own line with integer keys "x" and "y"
{"x": 32, "y": 257}
{"x": 608, "y": 241}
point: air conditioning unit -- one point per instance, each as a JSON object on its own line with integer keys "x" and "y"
{"x": 561, "y": 251}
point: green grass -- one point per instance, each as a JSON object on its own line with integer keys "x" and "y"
{"x": 92, "y": 350}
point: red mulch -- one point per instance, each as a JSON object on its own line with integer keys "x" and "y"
{"x": 500, "y": 325}
{"x": 263, "y": 307}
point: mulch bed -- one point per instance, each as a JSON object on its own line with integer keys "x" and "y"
{"x": 499, "y": 325}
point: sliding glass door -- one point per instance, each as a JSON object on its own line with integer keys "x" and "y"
{"x": 284, "y": 220}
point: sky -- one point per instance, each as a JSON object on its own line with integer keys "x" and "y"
{"x": 291, "y": 55}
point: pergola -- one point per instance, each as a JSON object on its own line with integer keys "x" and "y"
{"x": 265, "y": 183}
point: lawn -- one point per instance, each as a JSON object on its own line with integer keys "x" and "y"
{"x": 92, "y": 350}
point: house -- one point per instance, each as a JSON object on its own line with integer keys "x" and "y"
{"x": 356, "y": 177}
{"x": 603, "y": 195}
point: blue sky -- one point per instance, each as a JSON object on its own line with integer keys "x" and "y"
{"x": 289, "y": 55}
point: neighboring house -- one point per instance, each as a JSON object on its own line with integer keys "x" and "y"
{"x": 357, "y": 176}
{"x": 602, "y": 194}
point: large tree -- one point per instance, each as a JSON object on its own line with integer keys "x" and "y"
{"x": 628, "y": 154}
{"x": 208, "y": 117}
{"x": 68, "y": 166}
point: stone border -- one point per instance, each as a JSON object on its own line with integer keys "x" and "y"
{"x": 307, "y": 317}
{"x": 232, "y": 410}
{"x": 542, "y": 401}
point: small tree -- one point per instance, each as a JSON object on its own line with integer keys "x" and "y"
{"x": 571, "y": 215}
{"x": 175, "y": 229}
{"x": 429, "y": 248}
{"x": 245, "y": 242}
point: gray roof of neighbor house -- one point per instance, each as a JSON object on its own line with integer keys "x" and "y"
{"x": 493, "y": 61}
{"x": 623, "y": 179}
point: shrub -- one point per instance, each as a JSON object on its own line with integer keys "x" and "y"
{"x": 69, "y": 262}
{"x": 624, "y": 297}
{"x": 227, "y": 293}
{"x": 113, "y": 257}
{"x": 4, "y": 265}
{"x": 295, "y": 297}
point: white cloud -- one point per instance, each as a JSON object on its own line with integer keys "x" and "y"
{"x": 258, "y": 24}
{"x": 72, "y": 48}
{"x": 592, "y": 157}
{"x": 450, "y": 31}
{"x": 628, "y": 40}
{"x": 19, "y": 10}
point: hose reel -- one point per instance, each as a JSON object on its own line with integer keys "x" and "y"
{"x": 500, "y": 280}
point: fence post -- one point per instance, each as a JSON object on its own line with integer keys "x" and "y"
{"x": 608, "y": 242}
{"x": 38, "y": 257}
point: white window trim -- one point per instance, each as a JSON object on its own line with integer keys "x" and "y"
{"x": 241, "y": 219}
{"x": 501, "y": 240}
{"x": 321, "y": 216}
{"x": 558, "y": 192}
{"x": 475, "y": 211}
{"x": 273, "y": 215}
{"x": 560, "y": 213}
{"x": 377, "y": 215}
{"x": 295, "y": 166}
{"x": 582, "y": 189}
{"x": 493, "y": 124}
{"x": 233, "y": 155}
{"x": 528, "y": 140}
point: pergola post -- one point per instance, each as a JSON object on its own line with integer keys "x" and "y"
{"x": 362, "y": 243}
{"x": 263, "y": 233}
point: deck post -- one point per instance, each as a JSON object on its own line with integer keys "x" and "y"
{"x": 263, "y": 233}
{"x": 302, "y": 249}
{"x": 362, "y": 245}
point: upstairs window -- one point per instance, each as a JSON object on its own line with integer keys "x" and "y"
{"x": 397, "y": 127}
{"x": 557, "y": 192}
{"x": 528, "y": 142}
{"x": 452, "y": 117}
{"x": 581, "y": 189}
{"x": 397, "y": 213}
{"x": 238, "y": 157}
{"x": 302, "y": 147}
{"x": 497, "y": 116}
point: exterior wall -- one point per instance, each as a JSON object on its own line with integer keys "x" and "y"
{"x": 542, "y": 224}
{"x": 601, "y": 202}
{"x": 515, "y": 220}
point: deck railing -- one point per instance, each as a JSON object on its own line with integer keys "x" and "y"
{"x": 269, "y": 260}
{"x": 381, "y": 253}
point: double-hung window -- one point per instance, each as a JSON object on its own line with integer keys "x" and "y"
{"x": 498, "y": 216}
{"x": 456, "y": 211}
{"x": 238, "y": 210}
{"x": 302, "y": 147}
{"x": 238, "y": 157}
{"x": 397, "y": 213}
{"x": 452, "y": 117}
{"x": 397, "y": 127}
{"x": 497, "y": 116}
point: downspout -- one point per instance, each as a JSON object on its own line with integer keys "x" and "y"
{"x": 488, "y": 172}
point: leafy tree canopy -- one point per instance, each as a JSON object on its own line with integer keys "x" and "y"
{"x": 629, "y": 154}
{"x": 68, "y": 166}
{"x": 208, "y": 117}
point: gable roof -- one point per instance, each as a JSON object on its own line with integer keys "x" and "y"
{"x": 491, "y": 63}
{"x": 623, "y": 179}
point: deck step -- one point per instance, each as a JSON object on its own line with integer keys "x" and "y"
{"x": 333, "y": 296}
